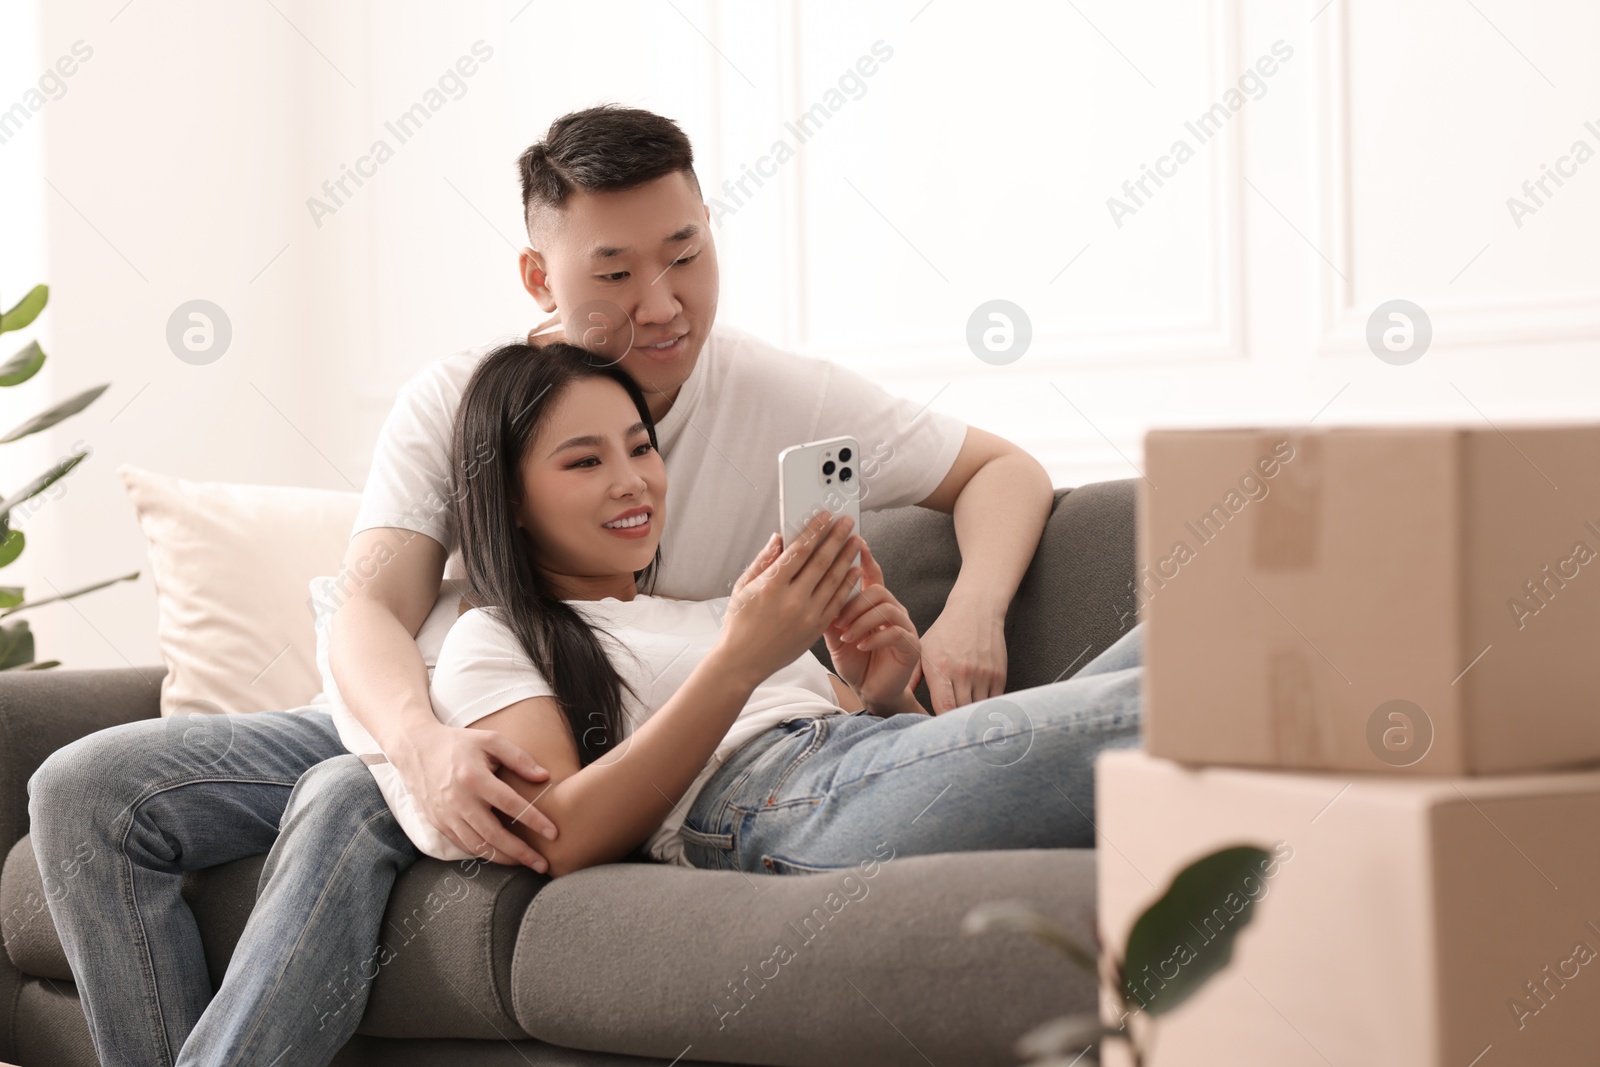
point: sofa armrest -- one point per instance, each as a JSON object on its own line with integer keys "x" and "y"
{"x": 40, "y": 711}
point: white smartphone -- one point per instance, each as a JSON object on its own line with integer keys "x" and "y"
{"x": 819, "y": 476}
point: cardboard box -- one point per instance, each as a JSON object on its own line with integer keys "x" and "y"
{"x": 1413, "y": 599}
{"x": 1408, "y": 923}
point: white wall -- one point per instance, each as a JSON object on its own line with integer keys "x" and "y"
{"x": 22, "y": 248}
{"x": 974, "y": 163}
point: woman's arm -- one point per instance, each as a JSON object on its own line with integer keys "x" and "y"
{"x": 603, "y": 812}
{"x": 850, "y": 700}
{"x": 847, "y": 698}
{"x": 904, "y": 704}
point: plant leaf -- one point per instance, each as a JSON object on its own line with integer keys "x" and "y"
{"x": 26, "y": 310}
{"x": 46, "y": 419}
{"x": 22, "y": 366}
{"x": 16, "y": 645}
{"x": 67, "y": 595}
{"x": 46, "y": 665}
{"x": 10, "y": 595}
{"x": 40, "y": 484}
{"x": 11, "y": 547}
{"x": 1192, "y": 928}
{"x": 1016, "y": 916}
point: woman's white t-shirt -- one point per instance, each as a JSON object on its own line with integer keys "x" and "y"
{"x": 654, "y": 642}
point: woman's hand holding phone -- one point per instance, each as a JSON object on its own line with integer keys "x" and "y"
{"x": 873, "y": 642}
{"x": 788, "y": 595}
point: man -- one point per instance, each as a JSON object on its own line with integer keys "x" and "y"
{"x": 621, "y": 253}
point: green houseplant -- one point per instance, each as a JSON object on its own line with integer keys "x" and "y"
{"x": 16, "y": 640}
{"x": 1176, "y": 930}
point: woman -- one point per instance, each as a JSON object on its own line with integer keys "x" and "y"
{"x": 706, "y": 733}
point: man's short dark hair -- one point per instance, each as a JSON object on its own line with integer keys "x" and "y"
{"x": 600, "y": 149}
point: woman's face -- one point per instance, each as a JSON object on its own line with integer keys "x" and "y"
{"x": 594, "y": 492}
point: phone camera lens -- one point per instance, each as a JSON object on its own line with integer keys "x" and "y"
{"x": 827, "y": 467}
{"x": 844, "y": 474}
{"x": 844, "y": 455}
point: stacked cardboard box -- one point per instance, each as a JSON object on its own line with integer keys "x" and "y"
{"x": 1377, "y": 648}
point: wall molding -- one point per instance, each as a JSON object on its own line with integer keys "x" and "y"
{"x": 1220, "y": 338}
{"x": 1341, "y": 325}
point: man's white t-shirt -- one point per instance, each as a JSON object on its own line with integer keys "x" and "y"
{"x": 655, "y": 644}
{"x": 744, "y": 402}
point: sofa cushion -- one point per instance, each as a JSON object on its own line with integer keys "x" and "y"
{"x": 50, "y": 1026}
{"x": 231, "y": 565}
{"x": 30, "y": 935}
{"x": 829, "y": 968}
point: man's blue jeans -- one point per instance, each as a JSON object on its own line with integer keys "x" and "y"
{"x": 118, "y": 816}
{"x": 1010, "y": 772}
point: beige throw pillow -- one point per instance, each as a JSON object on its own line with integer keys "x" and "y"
{"x": 232, "y": 565}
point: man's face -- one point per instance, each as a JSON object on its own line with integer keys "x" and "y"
{"x": 627, "y": 271}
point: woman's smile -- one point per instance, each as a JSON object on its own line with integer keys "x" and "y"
{"x": 633, "y": 523}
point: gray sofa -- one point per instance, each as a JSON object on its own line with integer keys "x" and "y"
{"x": 638, "y": 963}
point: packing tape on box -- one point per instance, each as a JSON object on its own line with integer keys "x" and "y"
{"x": 1296, "y": 727}
{"x": 1286, "y": 519}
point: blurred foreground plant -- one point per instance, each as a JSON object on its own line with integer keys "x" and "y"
{"x": 16, "y": 640}
{"x": 1164, "y": 934}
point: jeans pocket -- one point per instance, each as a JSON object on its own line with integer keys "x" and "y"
{"x": 718, "y": 842}
{"x": 818, "y": 730}
{"x": 708, "y": 851}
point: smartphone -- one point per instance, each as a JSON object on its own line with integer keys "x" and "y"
{"x": 819, "y": 476}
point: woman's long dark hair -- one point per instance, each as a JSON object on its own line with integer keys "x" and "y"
{"x": 505, "y": 402}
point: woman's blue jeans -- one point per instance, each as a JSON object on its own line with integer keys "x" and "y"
{"x": 1015, "y": 771}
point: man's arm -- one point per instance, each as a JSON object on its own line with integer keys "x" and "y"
{"x": 382, "y": 679}
{"x": 1000, "y": 497}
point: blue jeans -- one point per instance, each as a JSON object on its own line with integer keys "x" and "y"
{"x": 124, "y": 812}
{"x": 1015, "y": 771}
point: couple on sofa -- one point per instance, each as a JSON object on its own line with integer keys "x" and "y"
{"x": 620, "y": 684}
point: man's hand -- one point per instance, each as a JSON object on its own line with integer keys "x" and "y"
{"x": 451, "y": 773}
{"x": 963, "y": 657}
